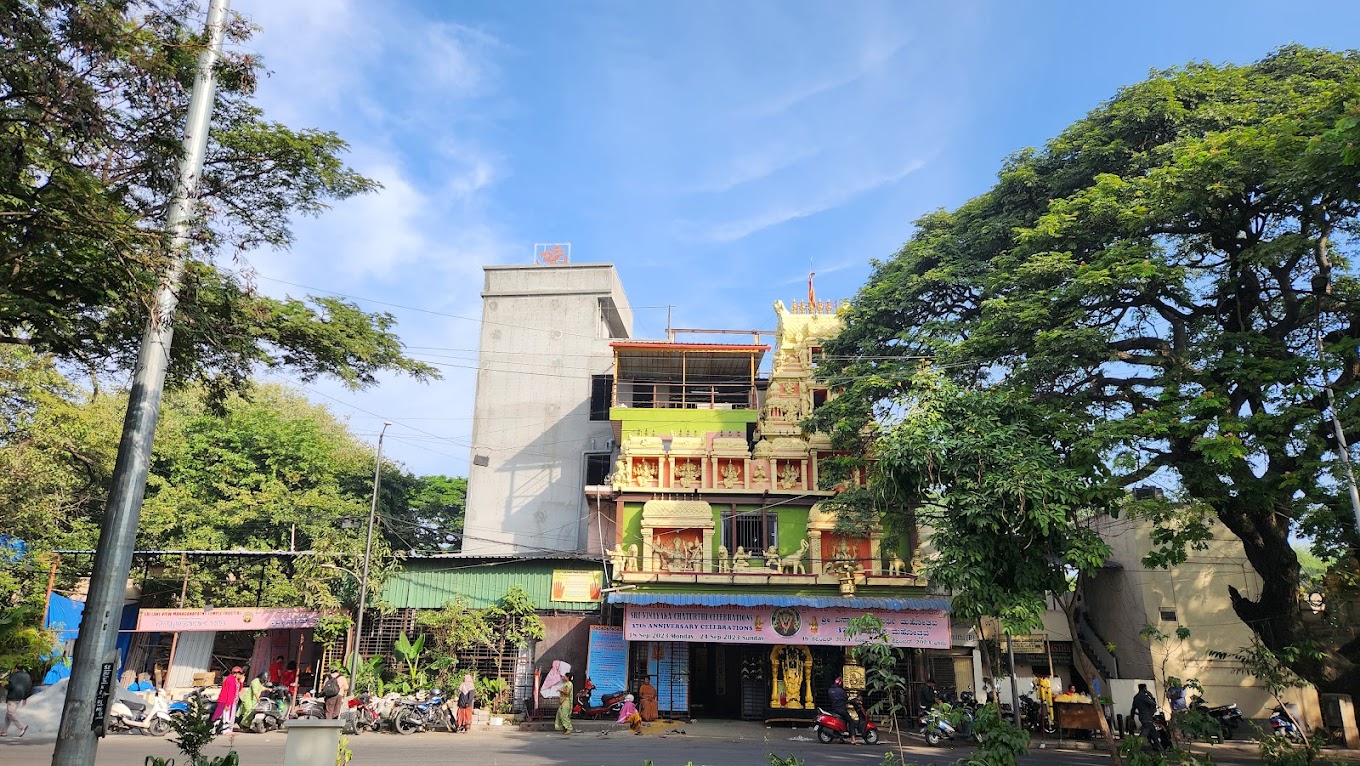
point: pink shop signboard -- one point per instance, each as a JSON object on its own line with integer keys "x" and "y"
{"x": 175, "y": 620}
{"x": 778, "y": 625}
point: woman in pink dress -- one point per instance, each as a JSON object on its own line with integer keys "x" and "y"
{"x": 226, "y": 699}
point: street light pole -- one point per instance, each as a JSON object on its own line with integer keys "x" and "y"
{"x": 368, "y": 559}
{"x": 76, "y": 739}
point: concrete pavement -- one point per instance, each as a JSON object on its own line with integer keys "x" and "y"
{"x": 705, "y": 743}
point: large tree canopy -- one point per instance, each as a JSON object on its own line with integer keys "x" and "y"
{"x": 267, "y": 472}
{"x": 1164, "y": 268}
{"x": 93, "y": 95}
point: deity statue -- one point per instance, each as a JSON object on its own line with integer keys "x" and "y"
{"x": 772, "y": 558}
{"x": 631, "y": 565}
{"x": 618, "y": 557}
{"x": 687, "y": 473}
{"x": 790, "y": 475}
{"x": 724, "y": 564}
{"x": 758, "y": 471}
{"x": 740, "y": 560}
{"x": 621, "y": 477}
{"x": 696, "y": 557}
{"x": 643, "y": 474}
{"x": 730, "y": 476}
{"x": 843, "y": 552}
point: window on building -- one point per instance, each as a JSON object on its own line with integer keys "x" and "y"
{"x": 597, "y": 468}
{"x": 600, "y": 389}
{"x": 752, "y": 531}
{"x": 1168, "y": 614}
{"x": 819, "y": 396}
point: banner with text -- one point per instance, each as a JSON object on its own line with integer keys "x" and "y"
{"x": 778, "y": 625}
{"x": 607, "y": 660}
{"x": 174, "y": 620}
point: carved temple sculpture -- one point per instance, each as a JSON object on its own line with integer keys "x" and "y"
{"x": 791, "y": 677}
{"x": 828, "y": 547}
{"x": 677, "y": 535}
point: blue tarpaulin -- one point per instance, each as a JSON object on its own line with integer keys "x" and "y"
{"x": 63, "y": 616}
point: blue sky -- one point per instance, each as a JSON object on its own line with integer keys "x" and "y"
{"x": 709, "y": 149}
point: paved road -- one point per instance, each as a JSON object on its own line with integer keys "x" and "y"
{"x": 512, "y": 748}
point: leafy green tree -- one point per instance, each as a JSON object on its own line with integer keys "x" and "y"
{"x": 1007, "y": 493}
{"x": 431, "y": 519}
{"x": 271, "y": 472}
{"x": 94, "y": 93}
{"x": 1163, "y": 270}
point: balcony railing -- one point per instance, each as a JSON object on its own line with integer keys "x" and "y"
{"x": 690, "y": 396}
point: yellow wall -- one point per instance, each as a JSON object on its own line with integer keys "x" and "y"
{"x": 1121, "y": 602}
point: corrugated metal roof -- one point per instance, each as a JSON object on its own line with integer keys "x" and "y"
{"x": 425, "y": 584}
{"x": 758, "y": 599}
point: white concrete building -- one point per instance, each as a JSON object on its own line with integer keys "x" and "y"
{"x": 541, "y": 428}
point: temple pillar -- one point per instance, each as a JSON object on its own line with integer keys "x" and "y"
{"x": 707, "y": 565}
{"x": 815, "y": 551}
{"x": 875, "y": 553}
{"x": 648, "y": 551}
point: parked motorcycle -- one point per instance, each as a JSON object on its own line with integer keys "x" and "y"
{"x": 268, "y": 713}
{"x": 830, "y": 728}
{"x": 936, "y": 727}
{"x": 201, "y": 699}
{"x": 1282, "y": 724}
{"x": 1034, "y": 716}
{"x": 365, "y": 711}
{"x": 1228, "y": 716}
{"x": 422, "y": 712}
{"x": 129, "y": 715}
{"x": 308, "y": 706}
{"x": 609, "y": 706}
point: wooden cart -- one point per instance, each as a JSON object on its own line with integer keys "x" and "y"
{"x": 1076, "y": 716}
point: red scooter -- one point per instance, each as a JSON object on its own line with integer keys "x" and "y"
{"x": 609, "y": 706}
{"x": 830, "y": 728}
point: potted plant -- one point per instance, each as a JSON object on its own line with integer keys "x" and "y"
{"x": 494, "y": 695}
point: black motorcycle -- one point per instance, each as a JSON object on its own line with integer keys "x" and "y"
{"x": 1228, "y": 716}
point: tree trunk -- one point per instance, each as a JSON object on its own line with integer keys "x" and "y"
{"x": 1276, "y": 617}
{"x": 1088, "y": 670}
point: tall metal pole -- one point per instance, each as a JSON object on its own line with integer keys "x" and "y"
{"x": 368, "y": 559}
{"x": 1015, "y": 685}
{"x": 76, "y": 741}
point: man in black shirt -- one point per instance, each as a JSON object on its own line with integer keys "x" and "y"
{"x": 1145, "y": 707}
{"x": 929, "y": 695}
{"x": 838, "y": 706}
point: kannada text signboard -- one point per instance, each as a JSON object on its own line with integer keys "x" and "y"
{"x": 778, "y": 625}
{"x": 177, "y": 620}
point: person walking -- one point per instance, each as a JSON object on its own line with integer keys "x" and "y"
{"x": 1145, "y": 707}
{"x": 18, "y": 689}
{"x": 333, "y": 691}
{"x": 839, "y": 707}
{"x": 565, "y": 695}
{"x": 466, "y": 694}
{"x": 629, "y": 714}
{"x": 225, "y": 712}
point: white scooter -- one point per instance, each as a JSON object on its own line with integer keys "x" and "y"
{"x": 130, "y": 715}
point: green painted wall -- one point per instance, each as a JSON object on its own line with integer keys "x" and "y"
{"x": 792, "y": 528}
{"x": 432, "y": 583}
{"x": 663, "y": 422}
{"x": 631, "y": 524}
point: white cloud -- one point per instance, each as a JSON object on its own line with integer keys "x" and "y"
{"x": 730, "y": 231}
{"x": 753, "y": 165}
{"x": 872, "y": 56}
{"x": 381, "y": 75}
